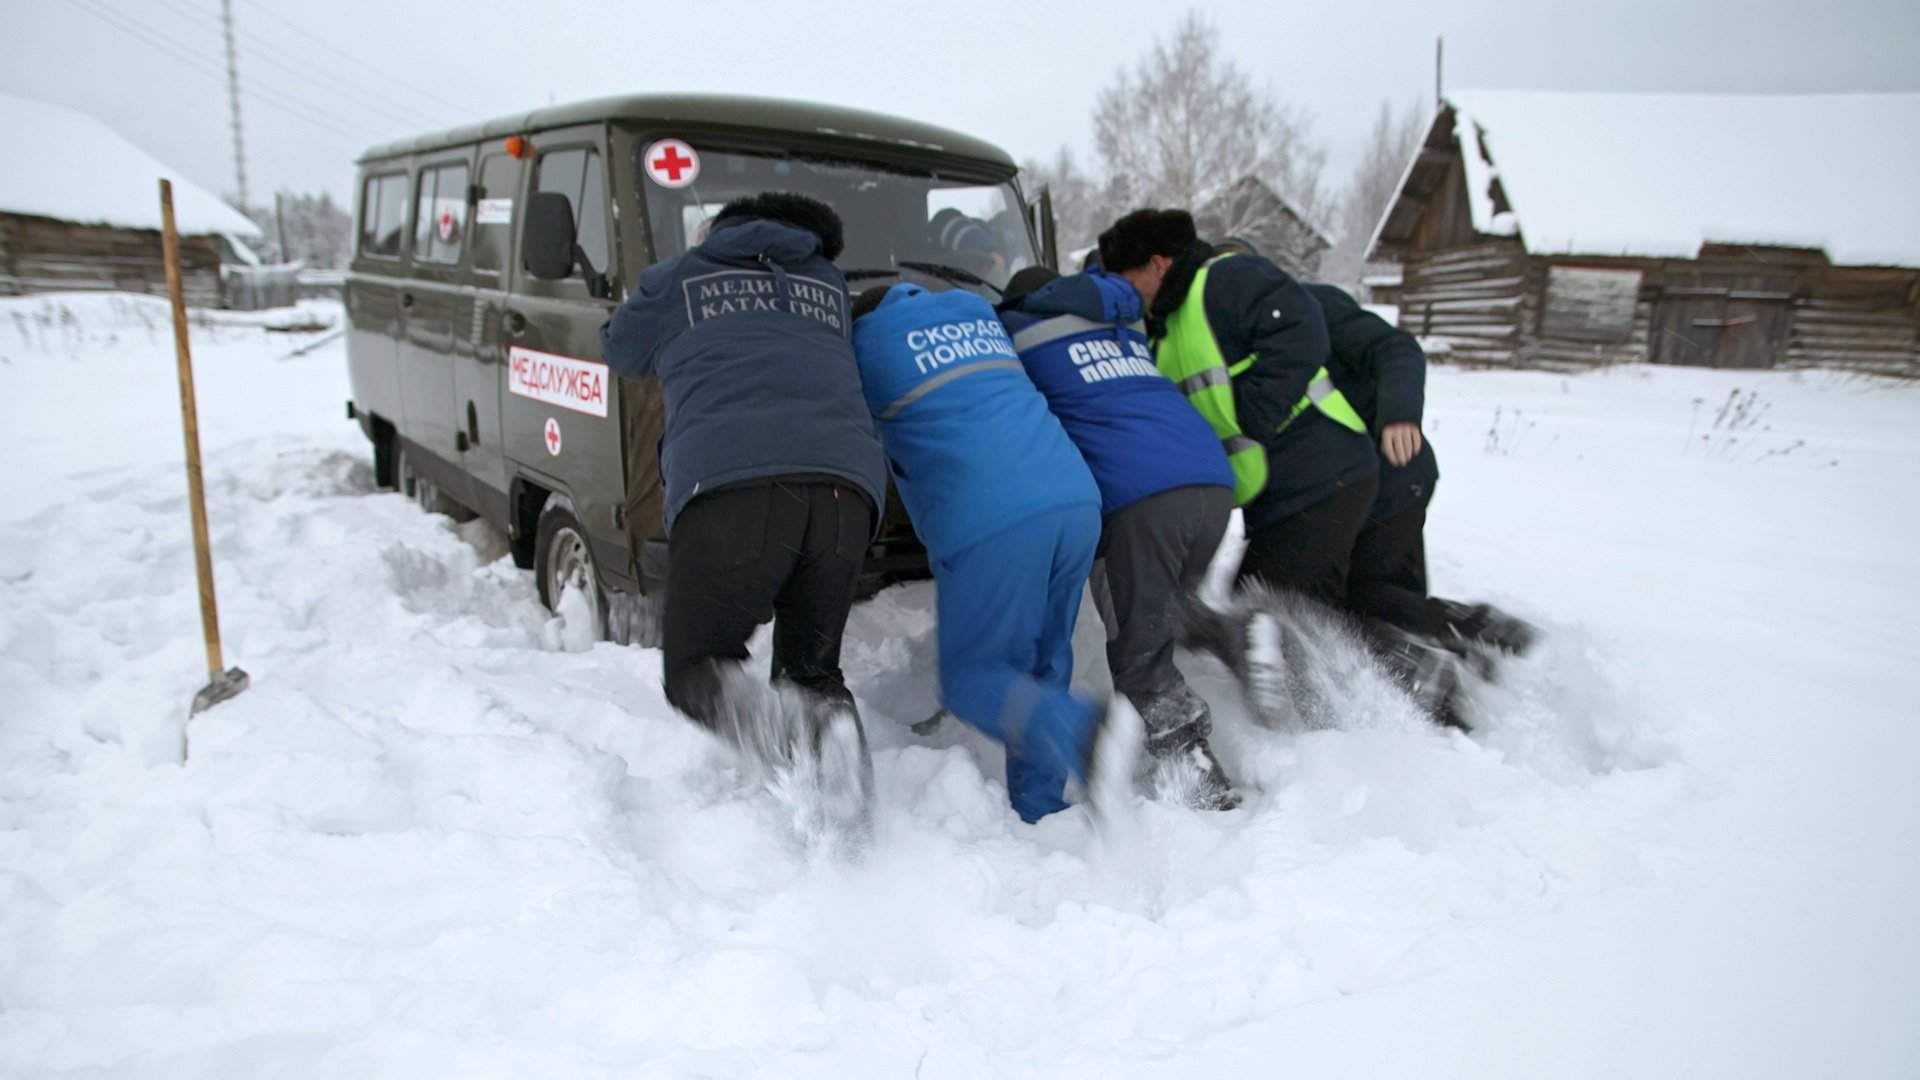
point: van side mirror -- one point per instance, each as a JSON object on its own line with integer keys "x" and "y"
{"x": 546, "y": 242}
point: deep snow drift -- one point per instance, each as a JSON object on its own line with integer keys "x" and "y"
{"x": 432, "y": 840}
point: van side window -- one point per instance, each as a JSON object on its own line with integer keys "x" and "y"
{"x": 440, "y": 220}
{"x": 493, "y": 214}
{"x": 383, "y": 215}
{"x": 581, "y": 177}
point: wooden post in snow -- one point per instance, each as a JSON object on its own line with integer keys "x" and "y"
{"x": 222, "y": 683}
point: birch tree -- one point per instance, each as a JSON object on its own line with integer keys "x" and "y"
{"x": 1376, "y": 177}
{"x": 1185, "y": 123}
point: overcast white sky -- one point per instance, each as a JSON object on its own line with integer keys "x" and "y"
{"x": 322, "y": 81}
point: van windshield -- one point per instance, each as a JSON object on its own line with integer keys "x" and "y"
{"x": 893, "y": 214}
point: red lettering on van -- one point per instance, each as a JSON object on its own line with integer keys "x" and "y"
{"x": 570, "y": 383}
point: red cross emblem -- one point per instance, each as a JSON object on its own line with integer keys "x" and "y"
{"x": 671, "y": 163}
{"x": 446, "y": 224}
{"x": 553, "y": 436}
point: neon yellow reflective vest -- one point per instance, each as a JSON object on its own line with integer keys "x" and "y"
{"x": 1190, "y": 355}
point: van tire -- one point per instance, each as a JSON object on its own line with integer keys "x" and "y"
{"x": 423, "y": 490}
{"x": 562, "y": 554}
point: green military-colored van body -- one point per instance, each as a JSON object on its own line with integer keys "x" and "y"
{"x": 481, "y": 384}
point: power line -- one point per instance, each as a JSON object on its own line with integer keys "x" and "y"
{"x": 307, "y": 71}
{"x": 184, "y": 54}
{"x": 378, "y": 72}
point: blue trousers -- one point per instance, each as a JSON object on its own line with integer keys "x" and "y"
{"x": 1007, "y": 609}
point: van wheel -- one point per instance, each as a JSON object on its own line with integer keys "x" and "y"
{"x": 424, "y": 491}
{"x": 562, "y": 558}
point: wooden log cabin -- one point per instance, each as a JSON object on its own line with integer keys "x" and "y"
{"x": 1745, "y": 231}
{"x": 80, "y": 210}
{"x": 1252, "y": 211}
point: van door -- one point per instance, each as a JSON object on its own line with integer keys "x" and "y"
{"x": 373, "y": 296}
{"x": 477, "y": 377}
{"x": 562, "y": 411}
{"x": 438, "y": 317}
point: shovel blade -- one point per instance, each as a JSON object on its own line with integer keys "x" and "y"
{"x": 225, "y": 685}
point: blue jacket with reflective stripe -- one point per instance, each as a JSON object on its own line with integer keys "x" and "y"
{"x": 1081, "y": 340}
{"x": 971, "y": 444}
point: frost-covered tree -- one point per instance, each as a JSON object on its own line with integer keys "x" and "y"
{"x": 1392, "y": 142}
{"x": 1185, "y": 123}
{"x": 319, "y": 232}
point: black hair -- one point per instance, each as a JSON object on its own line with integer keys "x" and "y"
{"x": 1027, "y": 281}
{"x": 864, "y": 304}
{"x": 790, "y": 208}
{"x": 1141, "y": 235}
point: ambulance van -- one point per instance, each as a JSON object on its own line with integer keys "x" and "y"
{"x": 487, "y": 257}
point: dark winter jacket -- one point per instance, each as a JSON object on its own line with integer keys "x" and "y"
{"x": 747, "y": 334}
{"x": 1083, "y": 344}
{"x": 1257, "y": 310}
{"x": 972, "y": 446}
{"x": 1383, "y": 372}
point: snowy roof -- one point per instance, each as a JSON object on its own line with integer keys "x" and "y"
{"x": 69, "y": 166}
{"x": 1659, "y": 174}
{"x": 1235, "y": 199}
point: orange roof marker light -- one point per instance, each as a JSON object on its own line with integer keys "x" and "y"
{"x": 519, "y": 146}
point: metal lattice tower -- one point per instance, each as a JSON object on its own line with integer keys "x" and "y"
{"x": 233, "y": 98}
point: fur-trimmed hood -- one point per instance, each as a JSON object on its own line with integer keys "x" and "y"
{"x": 1174, "y": 287}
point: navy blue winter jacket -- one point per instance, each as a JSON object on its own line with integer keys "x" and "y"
{"x": 1083, "y": 344}
{"x": 747, "y": 334}
{"x": 972, "y": 446}
{"x": 1383, "y": 373}
{"x": 1259, "y": 313}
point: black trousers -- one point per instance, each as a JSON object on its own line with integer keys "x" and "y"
{"x": 1311, "y": 551}
{"x": 789, "y": 550}
{"x": 1388, "y": 579}
{"x": 1154, "y": 553}
{"x": 1154, "y": 556}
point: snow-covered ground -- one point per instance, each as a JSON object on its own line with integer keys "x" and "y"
{"x": 431, "y": 842}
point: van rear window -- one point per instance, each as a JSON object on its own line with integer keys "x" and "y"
{"x": 493, "y": 213}
{"x": 440, "y": 222}
{"x": 383, "y": 215}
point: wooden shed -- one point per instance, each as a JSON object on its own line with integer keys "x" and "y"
{"x": 80, "y": 209}
{"x": 1252, "y": 210}
{"x": 1750, "y": 231}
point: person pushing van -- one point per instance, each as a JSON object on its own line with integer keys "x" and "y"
{"x": 773, "y": 471}
{"x": 1166, "y": 494}
{"x": 1010, "y": 517}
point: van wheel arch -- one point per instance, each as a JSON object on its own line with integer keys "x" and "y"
{"x": 525, "y": 501}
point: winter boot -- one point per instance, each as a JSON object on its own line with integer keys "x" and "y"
{"x": 1194, "y": 777}
{"x": 1429, "y": 674}
{"x": 1112, "y": 755}
{"x": 1173, "y": 719}
{"x": 844, "y": 769}
{"x": 809, "y": 750}
{"x": 1487, "y": 625}
{"x": 1264, "y": 670}
{"x": 1248, "y": 641}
